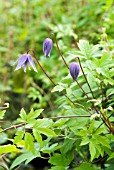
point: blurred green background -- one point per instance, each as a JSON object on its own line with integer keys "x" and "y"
{"x": 24, "y": 24}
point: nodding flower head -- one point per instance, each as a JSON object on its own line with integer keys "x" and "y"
{"x": 47, "y": 46}
{"x": 25, "y": 61}
{"x": 74, "y": 70}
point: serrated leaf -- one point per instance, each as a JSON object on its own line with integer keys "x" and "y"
{"x": 19, "y": 136}
{"x": 102, "y": 140}
{"x": 100, "y": 150}
{"x": 92, "y": 150}
{"x": 34, "y": 114}
{"x": 67, "y": 146}
{"x": 85, "y": 166}
{"x": 84, "y": 141}
{"x": 8, "y": 148}
{"x": 37, "y": 136}
{"x": 42, "y": 123}
{"x": 111, "y": 156}
{"x": 23, "y": 114}
{"x": 29, "y": 144}
{"x": 22, "y": 158}
{"x": 59, "y": 160}
{"x": 47, "y": 132}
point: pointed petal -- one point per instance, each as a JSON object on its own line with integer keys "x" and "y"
{"x": 24, "y": 66}
{"x": 32, "y": 63}
{"x": 21, "y": 61}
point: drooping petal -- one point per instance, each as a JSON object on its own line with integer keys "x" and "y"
{"x": 21, "y": 61}
{"x": 74, "y": 70}
{"x": 24, "y": 66}
{"x": 47, "y": 46}
{"x": 30, "y": 60}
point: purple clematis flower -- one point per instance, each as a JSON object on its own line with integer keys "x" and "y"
{"x": 47, "y": 46}
{"x": 74, "y": 70}
{"x": 25, "y": 61}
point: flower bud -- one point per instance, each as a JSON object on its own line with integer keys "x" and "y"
{"x": 74, "y": 70}
{"x": 47, "y": 46}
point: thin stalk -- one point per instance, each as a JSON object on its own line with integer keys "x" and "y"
{"x": 101, "y": 90}
{"x": 81, "y": 104}
{"x": 68, "y": 69}
{"x": 12, "y": 127}
{"x": 59, "y": 50}
{"x": 48, "y": 75}
{"x": 59, "y": 117}
{"x": 108, "y": 126}
{"x": 103, "y": 122}
{"x": 85, "y": 77}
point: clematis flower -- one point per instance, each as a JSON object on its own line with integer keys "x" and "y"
{"x": 74, "y": 70}
{"x": 47, "y": 46}
{"x": 25, "y": 61}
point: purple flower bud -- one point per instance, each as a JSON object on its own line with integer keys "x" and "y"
{"x": 25, "y": 61}
{"x": 47, "y": 46}
{"x": 74, "y": 70}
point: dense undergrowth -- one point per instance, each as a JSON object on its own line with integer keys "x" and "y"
{"x": 46, "y": 115}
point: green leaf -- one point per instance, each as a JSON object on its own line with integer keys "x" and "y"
{"x": 85, "y": 166}
{"x": 99, "y": 148}
{"x": 102, "y": 140}
{"x": 19, "y": 136}
{"x": 84, "y": 141}
{"x": 85, "y": 48}
{"x": 58, "y": 168}
{"x": 8, "y": 148}
{"x": 92, "y": 150}
{"x": 23, "y": 115}
{"x": 29, "y": 144}
{"x": 34, "y": 114}
{"x": 37, "y": 136}
{"x": 2, "y": 114}
{"x": 67, "y": 145}
{"x": 3, "y": 138}
{"x": 42, "y": 123}
{"x": 47, "y": 132}
{"x": 111, "y": 156}
{"x": 69, "y": 91}
{"x": 22, "y": 158}
{"x": 59, "y": 160}
{"x": 58, "y": 88}
{"x": 49, "y": 149}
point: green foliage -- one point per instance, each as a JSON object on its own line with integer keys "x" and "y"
{"x": 64, "y": 123}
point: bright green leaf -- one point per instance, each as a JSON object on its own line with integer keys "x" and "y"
{"x": 23, "y": 114}
{"x": 8, "y": 148}
{"x": 47, "y": 132}
{"x": 37, "y": 136}
{"x": 29, "y": 144}
{"x": 92, "y": 150}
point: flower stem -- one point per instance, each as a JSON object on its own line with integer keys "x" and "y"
{"x": 68, "y": 69}
{"x": 48, "y": 75}
{"x": 85, "y": 77}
